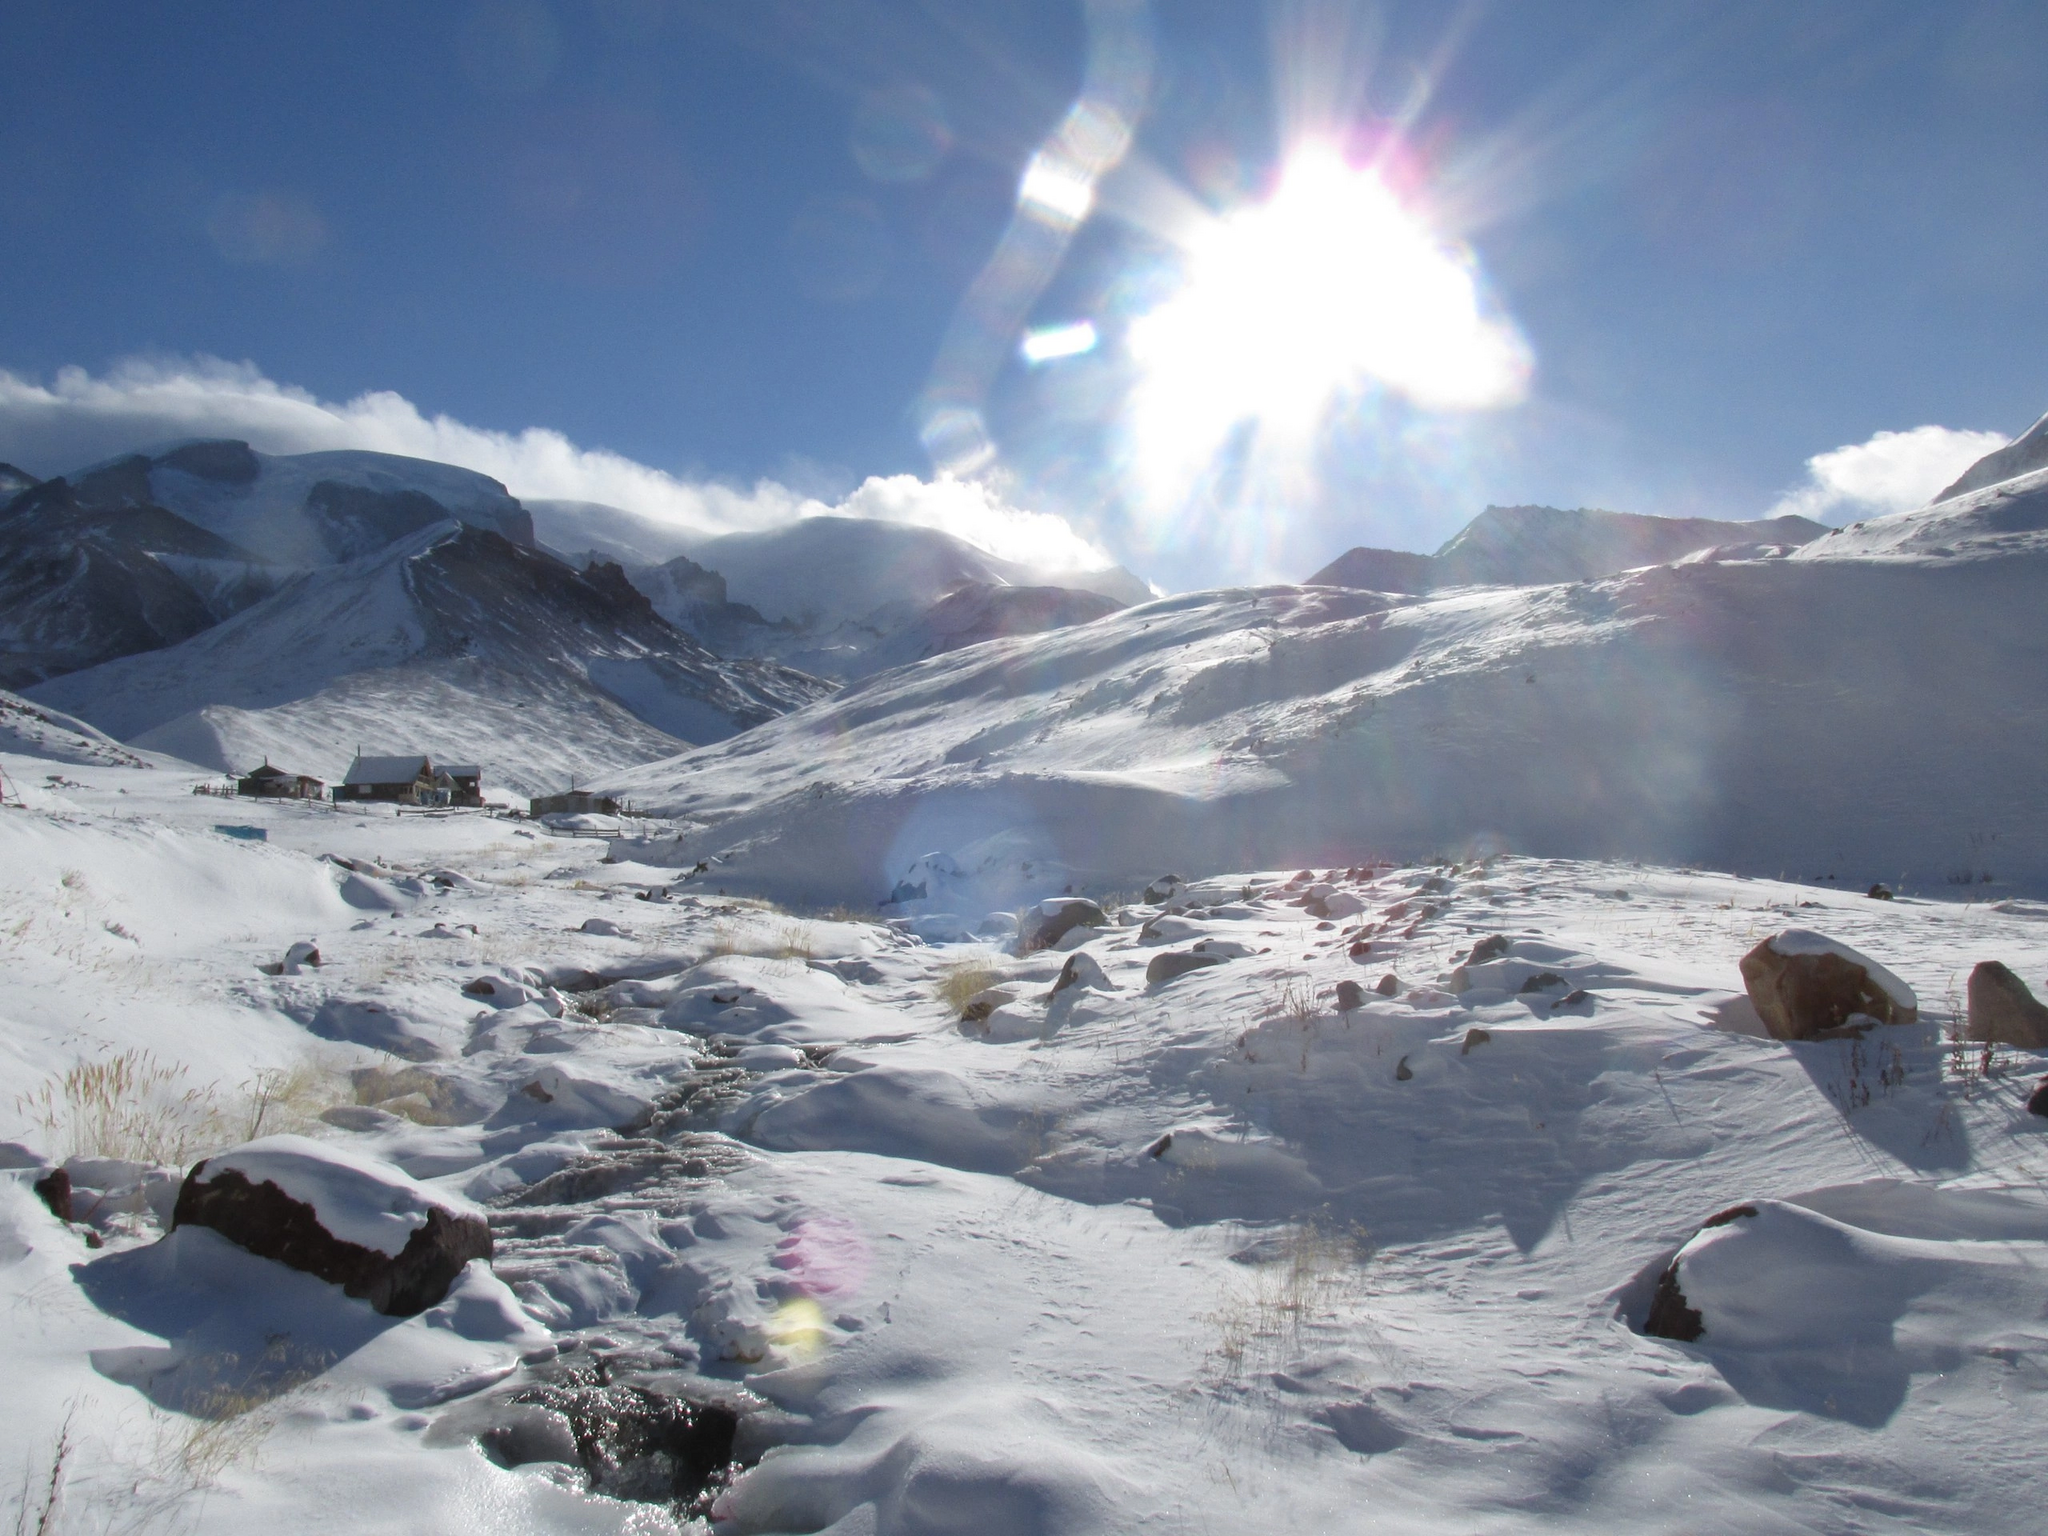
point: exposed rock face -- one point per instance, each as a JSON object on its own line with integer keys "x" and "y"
{"x": 260, "y": 1216}
{"x": 1050, "y": 921}
{"x": 2003, "y": 1011}
{"x": 1670, "y": 1316}
{"x": 1806, "y": 986}
{"x": 1167, "y": 966}
{"x": 1082, "y": 970}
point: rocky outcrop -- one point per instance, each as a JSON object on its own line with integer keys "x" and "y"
{"x": 1671, "y": 1316}
{"x": 1806, "y": 986}
{"x": 2003, "y": 1012}
{"x": 362, "y": 1225}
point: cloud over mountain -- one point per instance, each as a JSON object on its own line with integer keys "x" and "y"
{"x": 80, "y": 417}
{"x": 1891, "y": 472}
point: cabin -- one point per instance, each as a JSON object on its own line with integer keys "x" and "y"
{"x": 406, "y": 780}
{"x": 464, "y": 783}
{"x": 275, "y": 784}
{"x": 574, "y": 802}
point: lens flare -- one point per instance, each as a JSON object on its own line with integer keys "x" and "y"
{"x": 1331, "y": 288}
{"x": 1049, "y": 343}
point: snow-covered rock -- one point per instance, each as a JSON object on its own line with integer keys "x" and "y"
{"x": 1807, "y": 986}
{"x": 363, "y": 1225}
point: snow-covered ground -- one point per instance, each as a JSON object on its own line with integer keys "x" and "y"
{"x": 1210, "y": 1254}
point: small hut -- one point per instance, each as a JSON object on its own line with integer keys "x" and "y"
{"x": 276, "y": 784}
{"x": 574, "y": 802}
{"x": 464, "y": 783}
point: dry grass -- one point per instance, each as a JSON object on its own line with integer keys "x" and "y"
{"x": 1297, "y": 1000}
{"x": 960, "y": 981}
{"x": 42, "y": 1490}
{"x": 138, "y": 1109}
{"x": 794, "y": 941}
{"x": 1261, "y": 1320}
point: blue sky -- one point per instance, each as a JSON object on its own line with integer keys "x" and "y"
{"x": 726, "y": 241}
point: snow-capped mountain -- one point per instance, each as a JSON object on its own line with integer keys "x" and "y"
{"x": 1870, "y": 705}
{"x": 303, "y": 510}
{"x": 1528, "y": 546}
{"x": 83, "y": 582}
{"x": 2022, "y": 456}
{"x": 977, "y": 612}
{"x": 831, "y": 591}
{"x": 454, "y": 641}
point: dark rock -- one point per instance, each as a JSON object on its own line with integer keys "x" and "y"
{"x": 269, "y": 1223}
{"x": 905, "y": 891}
{"x": 2038, "y": 1104}
{"x": 1159, "y": 1148}
{"x": 1542, "y": 981}
{"x": 1879, "y": 893}
{"x": 1165, "y": 888}
{"x": 54, "y": 1189}
{"x": 1050, "y": 921}
{"x": 1572, "y": 999}
{"x": 1389, "y": 984}
{"x": 1350, "y": 995}
{"x": 1474, "y": 1037}
{"x": 1670, "y": 1317}
{"x": 226, "y": 460}
{"x": 1401, "y": 1072}
{"x": 631, "y": 1441}
{"x": 1492, "y": 947}
{"x": 2002, "y": 1011}
{"x": 1165, "y": 967}
{"x": 1081, "y": 970}
{"x": 1811, "y": 988}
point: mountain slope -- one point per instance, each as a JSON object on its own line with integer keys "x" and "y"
{"x": 976, "y": 612}
{"x": 81, "y": 584}
{"x": 2022, "y": 456}
{"x": 1527, "y": 546}
{"x": 1874, "y": 707}
{"x": 456, "y": 641}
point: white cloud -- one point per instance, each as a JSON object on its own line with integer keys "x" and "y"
{"x": 1892, "y": 472}
{"x": 80, "y": 418}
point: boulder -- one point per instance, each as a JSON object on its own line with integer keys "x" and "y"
{"x": 1044, "y": 925}
{"x": 1388, "y": 985}
{"x": 987, "y": 1001}
{"x": 2038, "y": 1104}
{"x": 1350, "y": 995}
{"x": 1082, "y": 970}
{"x": 363, "y": 1225}
{"x": 1166, "y": 888}
{"x": 2002, "y": 1011}
{"x": 1671, "y": 1316}
{"x": 1806, "y": 986}
{"x": 1166, "y": 967}
{"x": 1492, "y": 947}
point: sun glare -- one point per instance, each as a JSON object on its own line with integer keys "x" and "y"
{"x": 1329, "y": 289}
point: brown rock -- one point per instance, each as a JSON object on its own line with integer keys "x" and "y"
{"x": 1806, "y": 987}
{"x": 2003, "y": 1011}
{"x": 1166, "y": 967}
{"x": 269, "y": 1223}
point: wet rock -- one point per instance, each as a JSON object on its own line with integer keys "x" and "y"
{"x": 1166, "y": 967}
{"x": 1389, "y": 985}
{"x": 1670, "y": 1315}
{"x": 54, "y": 1190}
{"x": 1350, "y": 995}
{"x": 1806, "y": 986}
{"x": 2002, "y": 1011}
{"x": 1046, "y": 924}
{"x": 352, "y": 1221}
{"x": 632, "y": 1441}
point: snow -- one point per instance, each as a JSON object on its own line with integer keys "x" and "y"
{"x": 356, "y": 1198}
{"x": 1206, "y": 1254}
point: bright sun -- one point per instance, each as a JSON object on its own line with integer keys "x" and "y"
{"x": 1328, "y": 289}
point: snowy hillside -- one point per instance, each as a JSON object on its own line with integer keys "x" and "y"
{"x": 303, "y": 510}
{"x": 2022, "y": 456}
{"x": 1219, "y": 1215}
{"x": 1873, "y": 707}
{"x": 454, "y": 642}
{"x": 1529, "y": 546}
{"x": 977, "y": 612}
